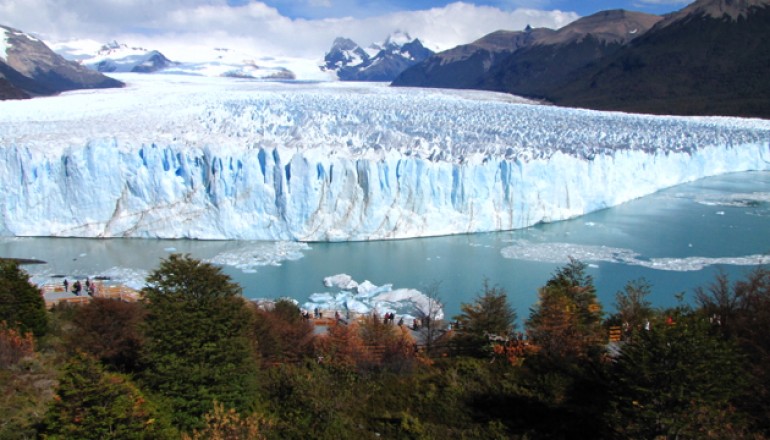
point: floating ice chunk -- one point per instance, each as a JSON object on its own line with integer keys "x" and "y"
{"x": 248, "y": 258}
{"x": 561, "y": 252}
{"x": 740, "y": 200}
{"x": 341, "y": 281}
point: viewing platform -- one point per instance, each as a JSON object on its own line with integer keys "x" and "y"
{"x": 55, "y": 294}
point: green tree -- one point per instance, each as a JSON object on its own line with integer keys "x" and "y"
{"x": 21, "y": 303}
{"x": 633, "y": 308}
{"x": 677, "y": 380}
{"x": 93, "y": 404}
{"x": 741, "y": 312}
{"x": 197, "y": 347}
{"x": 566, "y": 322}
{"x": 489, "y": 314}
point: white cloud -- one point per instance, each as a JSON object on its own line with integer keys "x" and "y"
{"x": 182, "y": 27}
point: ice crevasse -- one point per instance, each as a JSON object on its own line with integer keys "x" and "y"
{"x": 234, "y": 160}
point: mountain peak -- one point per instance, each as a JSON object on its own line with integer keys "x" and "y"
{"x": 612, "y": 26}
{"x": 718, "y": 9}
{"x": 380, "y": 62}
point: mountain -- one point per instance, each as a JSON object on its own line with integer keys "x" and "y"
{"x": 710, "y": 58}
{"x": 466, "y": 66}
{"x": 560, "y": 57}
{"x": 179, "y": 158}
{"x": 530, "y": 62}
{"x": 223, "y": 61}
{"x": 211, "y": 61}
{"x": 117, "y": 57}
{"x": 382, "y": 62}
{"x": 30, "y": 68}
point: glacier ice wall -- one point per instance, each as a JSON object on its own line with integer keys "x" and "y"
{"x": 188, "y": 158}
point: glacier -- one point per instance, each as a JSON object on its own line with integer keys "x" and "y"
{"x": 215, "y": 158}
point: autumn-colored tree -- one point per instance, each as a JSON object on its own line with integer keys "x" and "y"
{"x": 93, "y": 404}
{"x": 197, "y": 346}
{"x": 566, "y": 322}
{"x": 341, "y": 346}
{"x": 14, "y": 346}
{"x": 282, "y": 334}
{"x": 386, "y": 345}
{"x": 21, "y": 303}
{"x": 109, "y": 330}
{"x": 489, "y": 315}
{"x": 223, "y": 424}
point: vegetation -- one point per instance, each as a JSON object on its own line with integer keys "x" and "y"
{"x": 93, "y": 404}
{"x": 197, "y": 347}
{"x": 21, "y": 303}
{"x": 196, "y": 361}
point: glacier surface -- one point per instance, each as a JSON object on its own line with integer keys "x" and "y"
{"x": 211, "y": 158}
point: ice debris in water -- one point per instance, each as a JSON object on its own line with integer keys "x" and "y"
{"x": 353, "y": 298}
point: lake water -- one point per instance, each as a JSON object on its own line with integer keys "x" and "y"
{"x": 677, "y": 239}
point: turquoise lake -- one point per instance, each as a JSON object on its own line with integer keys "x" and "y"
{"x": 677, "y": 239}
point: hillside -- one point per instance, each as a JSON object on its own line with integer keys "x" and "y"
{"x": 711, "y": 58}
{"x": 561, "y": 57}
{"x": 30, "y": 67}
{"x": 466, "y": 66}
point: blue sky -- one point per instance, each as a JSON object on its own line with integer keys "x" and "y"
{"x": 314, "y": 9}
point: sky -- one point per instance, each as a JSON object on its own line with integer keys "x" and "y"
{"x": 299, "y": 28}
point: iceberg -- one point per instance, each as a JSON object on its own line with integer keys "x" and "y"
{"x": 363, "y": 298}
{"x": 216, "y": 158}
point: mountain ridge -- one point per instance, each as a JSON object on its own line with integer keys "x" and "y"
{"x": 29, "y": 66}
{"x": 381, "y": 62}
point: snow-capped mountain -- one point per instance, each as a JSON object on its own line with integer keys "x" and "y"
{"x": 214, "y": 158}
{"x": 222, "y": 61}
{"x": 116, "y": 57}
{"x": 378, "y": 62}
{"x": 30, "y": 68}
{"x": 119, "y": 57}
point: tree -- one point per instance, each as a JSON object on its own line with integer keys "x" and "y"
{"x": 741, "y": 312}
{"x": 224, "y": 424}
{"x": 197, "y": 347}
{"x": 489, "y": 314}
{"x": 677, "y": 380}
{"x": 109, "y": 330}
{"x": 634, "y": 310}
{"x": 21, "y": 303}
{"x": 429, "y": 315}
{"x": 93, "y": 404}
{"x": 566, "y": 323}
{"x": 282, "y": 334}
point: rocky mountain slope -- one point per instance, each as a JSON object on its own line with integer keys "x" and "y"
{"x": 30, "y": 68}
{"x": 466, "y": 66}
{"x": 562, "y": 56}
{"x": 529, "y": 62}
{"x": 710, "y": 58}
